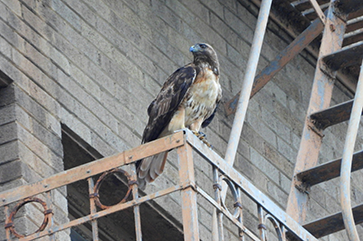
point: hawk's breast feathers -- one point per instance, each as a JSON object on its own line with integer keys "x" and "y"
{"x": 202, "y": 97}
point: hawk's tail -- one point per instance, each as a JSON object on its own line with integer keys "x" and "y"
{"x": 150, "y": 168}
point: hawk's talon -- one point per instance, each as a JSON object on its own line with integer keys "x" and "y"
{"x": 207, "y": 143}
{"x": 196, "y": 133}
{"x": 202, "y": 137}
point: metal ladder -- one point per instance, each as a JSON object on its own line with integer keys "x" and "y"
{"x": 320, "y": 115}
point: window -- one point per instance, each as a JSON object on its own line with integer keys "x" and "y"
{"x": 117, "y": 226}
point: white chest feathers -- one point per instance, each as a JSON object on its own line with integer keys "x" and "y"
{"x": 202, "y": 97}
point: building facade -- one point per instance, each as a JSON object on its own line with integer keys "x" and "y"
{"x": 77, "y": 78}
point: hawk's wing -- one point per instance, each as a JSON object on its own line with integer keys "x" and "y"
{"x": 210, "y": 118}
{"x": 162, "y": 109}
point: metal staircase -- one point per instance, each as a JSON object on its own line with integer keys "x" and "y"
{"x": 320, "y": 116}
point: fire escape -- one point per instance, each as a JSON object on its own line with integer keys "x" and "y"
{"x": 341, "y": 47}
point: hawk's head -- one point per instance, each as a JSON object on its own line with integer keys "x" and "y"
{"x": 204, "y": 54}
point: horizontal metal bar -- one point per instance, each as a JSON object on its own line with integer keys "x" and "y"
{"x": 92, "y": 168}
{"x": 353, "y": 38}
{"x": 354, "y": 24}
{"x": 355, "y": 14}
{"x": 333, "y": 223}
{"x": 248, "y": 188}
{"x": 333, "y": 115}
{"x": 345, "y": 57}
{"x": 329, "y": 170}
{"x": 100, "y": 214}
{"x": 227, "y": 214}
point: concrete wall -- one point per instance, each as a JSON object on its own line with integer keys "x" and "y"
{"x": 95, "y": 65}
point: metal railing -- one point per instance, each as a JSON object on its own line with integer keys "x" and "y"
{"x": 185, "y": 143}
{"x": 346, "y": 167}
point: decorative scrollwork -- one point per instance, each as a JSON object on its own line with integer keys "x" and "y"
{"x": 103, "y": 177}
{"x": 47, "y": 214}
{"x": 236, "y": 194}
{"x": 276, "y": 225}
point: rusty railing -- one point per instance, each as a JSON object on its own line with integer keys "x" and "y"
{"x": 185, "y": 143}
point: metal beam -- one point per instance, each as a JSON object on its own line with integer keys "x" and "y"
{"x": 332, "y": 115}
{"x": 318, "y": 10}
{"x": 333, "y": 223}
{"x": 92, "y": 168}
{"x": 327, "y": 171}
{"x": 284, "y": 57}
{"x": 346, "y": 57}
{"x": 249, "y": 77}
{"x": 188, "y": 193}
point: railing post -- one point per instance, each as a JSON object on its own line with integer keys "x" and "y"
{"x": 217, "y": 215}
{"x": 93, "y": 208}
{"x": 188, "y": 193}
{"x": 240, "y": 217}
{"x": 7, "y": 230}
{"x": 261, "y": 225}
{"x": 48, "y": 196}
{"x": 135, "y": 196}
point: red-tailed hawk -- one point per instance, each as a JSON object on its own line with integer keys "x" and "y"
{"x": 188, "y": 99}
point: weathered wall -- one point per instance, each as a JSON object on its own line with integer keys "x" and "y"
{"x": 95, "y": 65}
{"x": 31, "y": 149}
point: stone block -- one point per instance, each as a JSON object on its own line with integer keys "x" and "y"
{"x": 285, "y": 149}
{"x": 11, "y": 171}
{"x": 7, "y": 114}
{"x": 9, "y": 152}
{"x": 265, "y": 166}
{"x": 8, "y": 132}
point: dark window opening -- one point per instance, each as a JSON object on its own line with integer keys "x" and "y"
{"x": 156, "y": 223}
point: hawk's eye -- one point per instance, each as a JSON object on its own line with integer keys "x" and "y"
{"x": 203, "y": 46}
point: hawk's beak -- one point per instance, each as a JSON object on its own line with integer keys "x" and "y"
{"x": 194, "y": 48}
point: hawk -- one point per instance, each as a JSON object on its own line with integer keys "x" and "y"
{"x": 188, "y": 99}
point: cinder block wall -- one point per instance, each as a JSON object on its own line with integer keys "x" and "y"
{"x": 31, "y": 149}
{"x": 95, "y": 65}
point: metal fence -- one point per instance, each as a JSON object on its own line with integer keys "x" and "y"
{"x": 185, "y": 144}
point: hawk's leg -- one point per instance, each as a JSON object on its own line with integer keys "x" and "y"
{"x": 195, "y": 127}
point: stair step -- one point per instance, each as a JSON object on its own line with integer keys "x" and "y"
{"x": 329, "y": 170}
{"x": 349, "y": 56}
{"x": 333, "y": 223}
{"x": 332, "y": 115}
{"x": 349, "y": 6}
